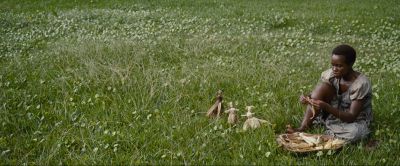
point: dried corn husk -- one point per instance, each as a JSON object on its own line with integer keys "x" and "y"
{"x": 215, "y": 109}
{"x": 312, "y": 108}
{"x": 310, "y": 140}
{"x": 232, "y": 117}
{"x": 303, "y": 142}
{"x": 252, "y": 122}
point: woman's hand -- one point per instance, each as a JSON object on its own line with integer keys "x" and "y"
{"x": 319, "y": 104}
{"x": 303, "y": 99}
{"x": 290, "y": 129}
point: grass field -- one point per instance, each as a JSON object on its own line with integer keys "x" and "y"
{"x": 129, "y": 82}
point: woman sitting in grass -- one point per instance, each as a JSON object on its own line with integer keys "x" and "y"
{"x": 341, "y": 101}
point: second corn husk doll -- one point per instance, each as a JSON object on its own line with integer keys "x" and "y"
{"x": 232, "y": 117}
{"x": 252, "y": 122}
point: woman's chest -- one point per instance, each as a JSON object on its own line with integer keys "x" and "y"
{"x": 343, "y": 89}
{"x": 344, "y": 86}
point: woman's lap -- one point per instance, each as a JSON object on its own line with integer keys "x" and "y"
{"x": 350, "y": 132}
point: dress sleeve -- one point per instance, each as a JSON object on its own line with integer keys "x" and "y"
{"x": 361, "y": 89}
{"x": 326, "y": 76}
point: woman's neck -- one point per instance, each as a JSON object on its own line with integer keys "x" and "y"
{"x": 350, "y": 76}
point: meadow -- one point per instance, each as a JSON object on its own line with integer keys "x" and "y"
{"x": 129, "y": 82}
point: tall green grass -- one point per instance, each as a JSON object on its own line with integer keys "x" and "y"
{"x": 129, "y": 82}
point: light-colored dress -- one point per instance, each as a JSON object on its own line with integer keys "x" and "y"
{"x": 360, "y": 89}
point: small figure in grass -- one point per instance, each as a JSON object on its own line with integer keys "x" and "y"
{"x": 252, "y": 122}
{"x": 215, "y": 109}
{"x": 341, "y": 101}
{"x": 232, "y": 117}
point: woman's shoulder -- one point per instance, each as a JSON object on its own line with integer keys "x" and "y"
{"x": 362, "y": 79}
{"x": 327, "y": 75}
{"x": 361, "y": 87}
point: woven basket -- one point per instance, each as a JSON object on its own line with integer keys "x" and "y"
{"x": 296, "y": 143}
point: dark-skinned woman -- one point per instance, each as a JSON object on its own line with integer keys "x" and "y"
{"x": 342, "y": 99}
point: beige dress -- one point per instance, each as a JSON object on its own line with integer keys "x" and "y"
{"x": 359, "y": 89}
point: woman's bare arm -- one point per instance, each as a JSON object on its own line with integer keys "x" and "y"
{"x": 349, "y": 116}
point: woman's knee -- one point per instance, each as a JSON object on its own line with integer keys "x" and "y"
{"x": 323, "y": 91}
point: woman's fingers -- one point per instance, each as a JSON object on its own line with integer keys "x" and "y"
{"x": 303, "y": 99}
{"x": 318, "y": 104}
{"x": 312, "y": 102}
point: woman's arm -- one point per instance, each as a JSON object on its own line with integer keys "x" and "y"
{"x": 308, "y": 117}
{"x": 322, "y": 92}
{"x": 349, "y": 116}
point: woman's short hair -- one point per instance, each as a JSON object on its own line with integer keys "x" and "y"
{"x": 347, "y": 51}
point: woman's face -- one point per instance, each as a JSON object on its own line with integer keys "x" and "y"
{"x": 339, "y": 66}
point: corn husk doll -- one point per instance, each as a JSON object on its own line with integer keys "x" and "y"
{"x": 252, "y": 122}
{"x": 232, "y": 117}
{"x": 215, "y": 109}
